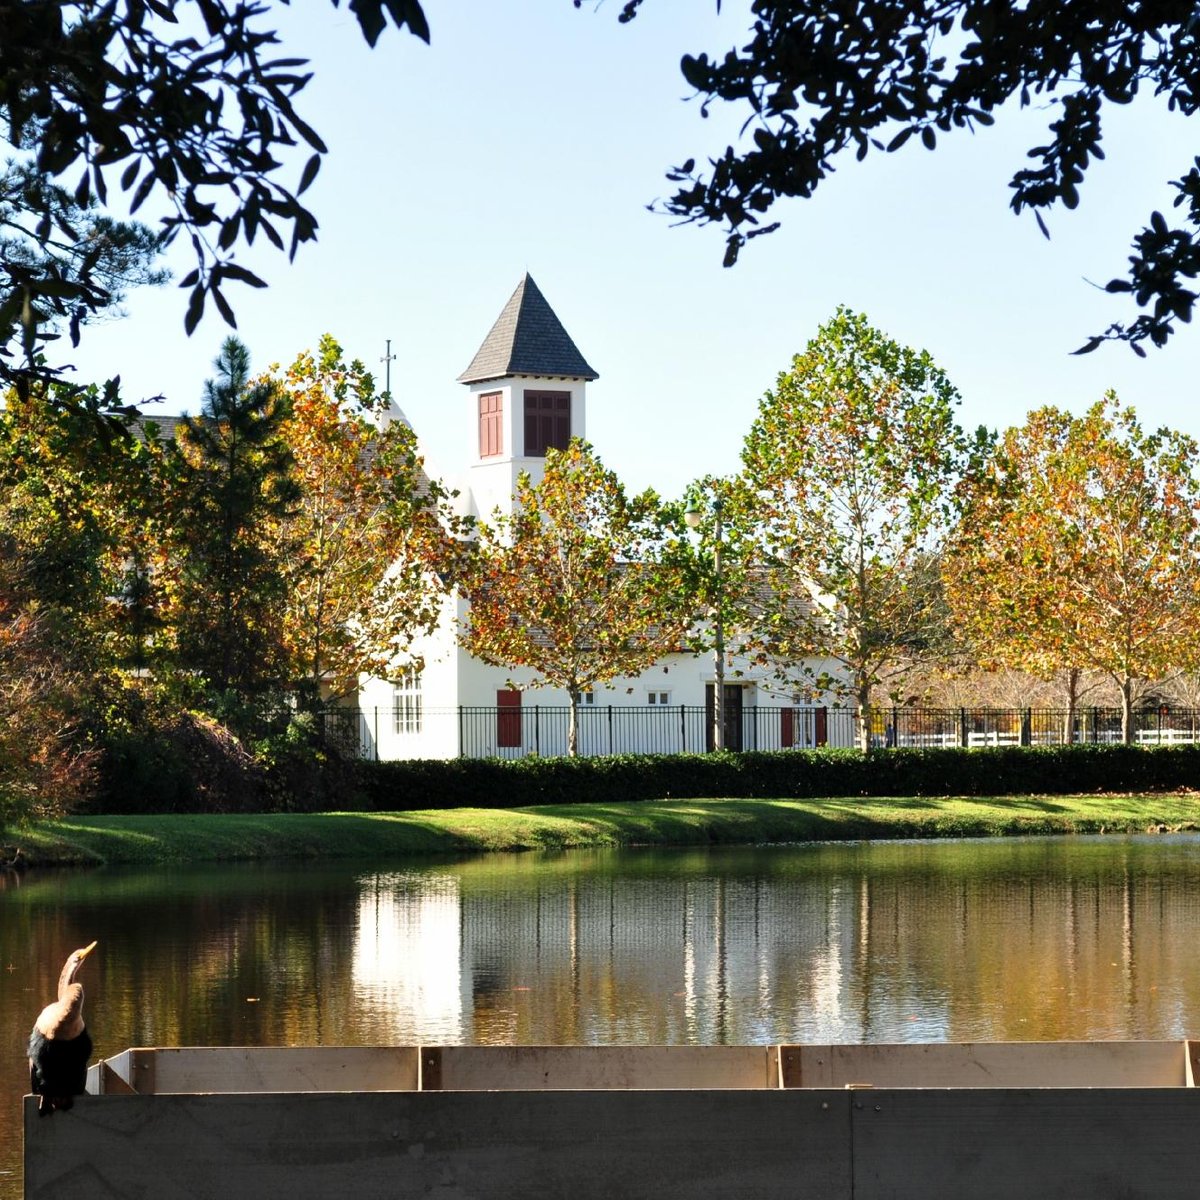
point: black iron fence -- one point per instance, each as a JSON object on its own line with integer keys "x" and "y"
{"x": 533, "y": 729}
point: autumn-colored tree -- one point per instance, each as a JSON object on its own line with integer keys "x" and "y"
{"x": 46, "y": 763}
{"x": 231, "y": 485}
{"x": 571, "y": 585}
{"x": 852, "y": 460}
{"x": 1079, "y": 548}
{"x": 369, "y": 534}
{"x": 65, "y": 493}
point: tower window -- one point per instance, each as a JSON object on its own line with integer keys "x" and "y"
{"x": 547, "y": 422}
{"x": 491, "y": 430}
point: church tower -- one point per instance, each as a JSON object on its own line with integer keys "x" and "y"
{"x": 528, "y": 383}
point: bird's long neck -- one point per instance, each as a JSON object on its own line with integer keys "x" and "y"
{"x": 70, "y": 1000}
{"x": 70, "y": 993}
{"x": 67, "y": 978}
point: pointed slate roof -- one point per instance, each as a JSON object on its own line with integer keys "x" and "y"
{"x": 527, "y": 339}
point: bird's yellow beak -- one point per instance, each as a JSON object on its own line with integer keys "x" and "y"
{"x": 87, "y": 950}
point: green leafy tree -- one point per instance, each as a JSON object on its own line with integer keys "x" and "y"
{"x": 370, "y": 536}
{"x": 711, "y": 556}
{"x": 188, "y": 101}
{"x": 1079, "y": 549}
{"x": 819, "y": 82}
{"x": 232, "y": 485}
{"x": 852, "y": 459}
{"x": 572, "y": 585}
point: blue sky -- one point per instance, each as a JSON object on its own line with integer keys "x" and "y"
{"x": 531, "y": 136}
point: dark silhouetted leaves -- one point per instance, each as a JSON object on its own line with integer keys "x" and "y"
{"x": 875, "y": 72}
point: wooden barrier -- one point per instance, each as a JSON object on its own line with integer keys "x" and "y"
{"x": 988, "y": 1065}
{"x": 595, "y": 1068}
{"x": 1102, "y": 1120}
{"x": 269, "y": 1069}
{"x": 1031, "y": 1144}
{"x": 604, "y": 1145}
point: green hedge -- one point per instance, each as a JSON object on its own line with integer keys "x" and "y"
{"x": 155, "y": 775}
{"x": 494, "y": 783}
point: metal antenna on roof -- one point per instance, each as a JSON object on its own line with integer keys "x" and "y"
{"x": 387, "y": 360}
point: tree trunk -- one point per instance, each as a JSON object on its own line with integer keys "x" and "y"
{"x": 1073, "y": 677}
{"x": 573, "y": 724}
{"x": 862, "y": 715}
{"x": 1127, "y": 710}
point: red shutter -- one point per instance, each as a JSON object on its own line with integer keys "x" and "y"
{"x": 508, "y": 718}
{"x": 787, "y": 728}
{"x": 491, "y": 436}
{"x": 822, "y": 730}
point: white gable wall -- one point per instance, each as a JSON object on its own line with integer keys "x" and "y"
{"x": 437, "y": 737}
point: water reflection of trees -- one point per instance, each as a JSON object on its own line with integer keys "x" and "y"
{"x": 839, "y": 956}
{"x": 755, "y": 946}
{"x": 1071, "y": 938}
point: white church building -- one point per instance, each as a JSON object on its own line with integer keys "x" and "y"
{"x": 526, "y": 393}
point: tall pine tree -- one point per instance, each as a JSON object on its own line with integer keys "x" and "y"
{"x": 233, "y": 485}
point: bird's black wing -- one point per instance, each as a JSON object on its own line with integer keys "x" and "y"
{"x": 37, "y": 1051}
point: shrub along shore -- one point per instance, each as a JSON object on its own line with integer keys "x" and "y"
{"x": 389, "y": 809}
{"x": 181, "y": 838}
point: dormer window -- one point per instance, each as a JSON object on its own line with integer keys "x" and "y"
{"x": 547, "y": 422}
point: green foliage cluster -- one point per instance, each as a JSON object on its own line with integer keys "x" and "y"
{"x": 161, "y": 759}
{"x": 803, "y": 774}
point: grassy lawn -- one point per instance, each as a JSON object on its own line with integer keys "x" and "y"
{"x": 179, "y": 838}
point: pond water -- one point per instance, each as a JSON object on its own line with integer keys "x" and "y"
{"x": 1017, "y": 939}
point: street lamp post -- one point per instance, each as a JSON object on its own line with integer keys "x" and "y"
{"x": 694, "y": 517}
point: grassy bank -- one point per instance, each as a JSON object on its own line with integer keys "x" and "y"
{"x": 188, "y": 838}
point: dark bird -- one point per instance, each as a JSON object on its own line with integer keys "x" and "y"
{"x": 59, "y": 1046}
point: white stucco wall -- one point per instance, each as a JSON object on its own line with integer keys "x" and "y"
{"x": 490, "y": 482}
{"x": 438, "y": 733}
{"x": 459, "y": 709}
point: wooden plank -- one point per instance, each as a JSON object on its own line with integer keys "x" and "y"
{"x": 808, "y": 1066}
{"x": 113, "y": 1084}
{"x": 774, "y": 1069}
{"x": 142, "y": 1062}
{"x": 791, "y": 1066}
{"x": 755, "y": 1144}
{"x": 431, "y": 1069}
{"x": 277, "y": 1069}
{"x": 1039, "y": 1144}
{"x": 120, "y": 1066}
{"x": 590, "y": 1068}
{"x": 991, "y": 1065}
